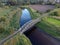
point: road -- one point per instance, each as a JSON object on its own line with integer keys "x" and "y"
{"x": 38, "y": 37}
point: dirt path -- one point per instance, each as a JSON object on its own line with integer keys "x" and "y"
{"x": 38, "y": 37}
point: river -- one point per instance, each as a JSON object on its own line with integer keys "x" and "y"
{"x": 38, "y": 37}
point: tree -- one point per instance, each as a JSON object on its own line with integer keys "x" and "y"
{"x": 12, "y": 2}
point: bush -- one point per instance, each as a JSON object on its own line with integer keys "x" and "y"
{"x": 22, "y": 7}
{"x": 37, "y": 11}
{"x": 2, "y": 29}
{"x": 2, "y": 19}
{"x": 49, "y": 3}
{"x": 0, "y": 4}
{"x": 48, "y": 10}
{"x": 57, "y": 5}
{"x": 54, "y": 14}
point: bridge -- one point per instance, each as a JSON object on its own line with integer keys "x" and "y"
{"x": 26, "y": 27}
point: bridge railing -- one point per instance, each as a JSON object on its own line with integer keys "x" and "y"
{"x": 24, "y": 28}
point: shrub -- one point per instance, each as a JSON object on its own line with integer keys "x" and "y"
{"x": 54, "y": 14}
{"x": 57, "y": 5}
{"x": 49, "y": 3}
{"x": 6, "y": 7}
{"x": 48, "y": 10}
{"x": 2, "y": 19}
{"x": 22, "y": 7}
{"x": 2, "y": 29}
{"x": 37, "y": 11}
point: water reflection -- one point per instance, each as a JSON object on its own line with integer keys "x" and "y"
{"x": 25, "y": 17}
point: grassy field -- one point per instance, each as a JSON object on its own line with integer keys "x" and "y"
{"x": 9, "y": 23}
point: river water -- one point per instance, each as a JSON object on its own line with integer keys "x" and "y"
{"x": 25, "y": 17}
{"x": 38, "y": 37}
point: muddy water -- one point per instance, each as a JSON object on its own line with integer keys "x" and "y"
{"x": 37, "y": 37}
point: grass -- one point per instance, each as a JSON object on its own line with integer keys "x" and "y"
{"x": 53, "y": 21}
{"x": 34, "y": 13}
{"x": 18, "y": 40}
{"x": 4, "y": 11}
